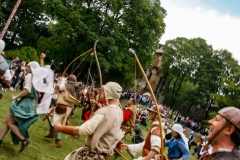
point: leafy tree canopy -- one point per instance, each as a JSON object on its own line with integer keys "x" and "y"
{"x": 199, "y": 75}
{"x": 25, "y": 53}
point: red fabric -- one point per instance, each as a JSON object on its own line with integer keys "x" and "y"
{"x": 127, "y": 114}
{"x": 103, "y": 102}
{"x": 87, "y": 115}
{"x": 119, "y": 145}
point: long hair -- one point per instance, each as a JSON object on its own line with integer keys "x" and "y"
{"x": 235, "y": 136}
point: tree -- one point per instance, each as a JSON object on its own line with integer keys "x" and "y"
{"x": 118, "y": 25}
{"x": 229, "y": 91}
{"x": 25, "y": 53}
{"x": 26, "y": 26}
{"x": 200, "y": 76}
{"x": 194, "y": 71}
{"x": 179, "y": 61}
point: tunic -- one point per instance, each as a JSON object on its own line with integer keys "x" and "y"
{"x": 24, "y": 110}
{"x": 26, "y": 106}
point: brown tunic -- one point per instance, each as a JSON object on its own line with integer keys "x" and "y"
{"x": 147, "y": 145}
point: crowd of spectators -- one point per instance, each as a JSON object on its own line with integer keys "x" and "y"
{"x": 187, "y": 121}
{"x": 17, "y": 71}
{"x": 141, "y": 99}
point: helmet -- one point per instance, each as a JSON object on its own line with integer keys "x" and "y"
{"x": 232, "y": 114}
{"x": 72, "y": 78}
{"x": 153, "y": 108}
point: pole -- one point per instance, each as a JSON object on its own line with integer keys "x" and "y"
{"x": 10, "y": 19}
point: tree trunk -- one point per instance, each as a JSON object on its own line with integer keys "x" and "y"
{"x": 189, "y": 108}
{"x": 208, "y": 108}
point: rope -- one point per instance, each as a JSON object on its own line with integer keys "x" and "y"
{"x": 89, "y": 70}
{"x": 78, "y": 64}
{"x": 75, "y": 60}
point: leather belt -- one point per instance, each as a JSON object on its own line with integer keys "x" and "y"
{"x": 103, "y": 154}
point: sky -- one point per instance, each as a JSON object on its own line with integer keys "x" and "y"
{"x": 216, "y": 21}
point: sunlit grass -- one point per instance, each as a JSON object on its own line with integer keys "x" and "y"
{"x": 39, "y": 148}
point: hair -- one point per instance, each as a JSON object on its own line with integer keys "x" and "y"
{"x": 95, "y": 92}
{"x": 224, "y": 120}
{"x": 10, "y": 58}
{"x": 178, "y": 136}
{"x": 65, "y": 75}
{"x": 134, "y": 101}
{"x": 235, "y": 136}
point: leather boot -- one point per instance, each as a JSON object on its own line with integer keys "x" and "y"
{"x": 25, "y": 142}
{"x": 57, "y": 143}
{"x": 50, "y": 134}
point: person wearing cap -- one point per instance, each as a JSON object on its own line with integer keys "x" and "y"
{"x": 23, "y": 107}
{"x": 63, "y": 109}
{"x": 178, "y": 145}
{"x": 152, "y": 144}
{"x": 224, "y": 135}
{"x": 102, "y": 130}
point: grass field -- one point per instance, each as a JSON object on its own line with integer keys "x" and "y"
{"x": 39, "y": 148}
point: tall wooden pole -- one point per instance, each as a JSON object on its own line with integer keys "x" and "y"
{"x": 10, "y": 19}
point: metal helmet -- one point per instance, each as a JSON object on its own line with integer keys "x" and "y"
{"x": 232, "y": 114}
{"x": 153, "y": 108}
{"x": 72, "y": 78}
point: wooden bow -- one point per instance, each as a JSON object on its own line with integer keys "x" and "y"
{"x": 155, "y": 101}
{"x": 99, "y": 70}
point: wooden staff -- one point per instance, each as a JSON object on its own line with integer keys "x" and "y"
{"x": 155, "y": 101}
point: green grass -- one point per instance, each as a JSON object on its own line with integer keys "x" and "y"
{"x": 39, "y": 148}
